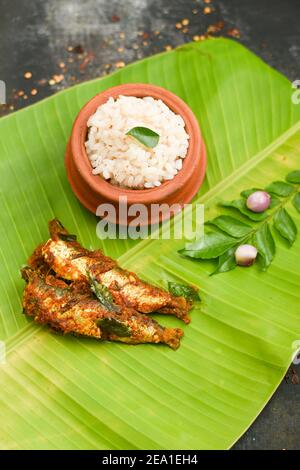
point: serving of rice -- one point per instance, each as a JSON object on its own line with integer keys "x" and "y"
{"x": 123, "y": 160}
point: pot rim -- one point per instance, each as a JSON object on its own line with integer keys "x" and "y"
{"x": 108, "y": 191}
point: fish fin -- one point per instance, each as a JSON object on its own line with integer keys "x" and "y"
{"x": 58, "y": 231}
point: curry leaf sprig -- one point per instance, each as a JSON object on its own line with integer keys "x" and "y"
{"x": 229, "y": 233}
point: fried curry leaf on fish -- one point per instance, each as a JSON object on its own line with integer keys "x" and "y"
{"x": 102, "y": 293}
{"x": 181, "y": 290}
{"x": 65, "y": 308}
{"x": 69, "y": 260}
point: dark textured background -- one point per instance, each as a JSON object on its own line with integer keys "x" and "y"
{"x": 36, "y": 34}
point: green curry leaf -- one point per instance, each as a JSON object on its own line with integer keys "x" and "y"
{"x": 294, "y": 177}
{"x": 211, "y": 245}
{"x": 113, "y": 326}
{"x": 285, "y": 225}
{"x": 145, "y": 136}
{"x": 182, "y": 290}
{"x": 103, "y": 295}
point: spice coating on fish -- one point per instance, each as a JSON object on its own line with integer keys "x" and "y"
{"x": 73, "y": 262}
{"x": 50, "y": 301}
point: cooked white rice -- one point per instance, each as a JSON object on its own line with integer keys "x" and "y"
{"x": 123, "y": 160}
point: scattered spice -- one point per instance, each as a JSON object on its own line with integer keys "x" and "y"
{"x": 197, "y": 38}
{"x": 25, "y": 97}
{"x": 20, "y": 93}
{"x": 178, "y": 25}
{"x": 194, "y": 11}
{"x": 234, "y": 33}
{"x": 185, "y": 30}
{"x": 207, "y": 1}
{"x": 115, "y": 18}
{"x": 58, "y": 78}
{"x": 42, "y": 82}
{"x": 145, "y": 35}
{"x": 216, "y": 27}
{"x": 207, "y": 10}
{"x": 122, "y": 35}
{"x": 61, "y": 65}
{"x": 185, "y": 22}
{"x": 87, "y": 59}
{"x": 292, "y": 376}
{"x": 27, "y": 75}
{"x": 78, "y": 49}
{"x": 34, "y": 92}
{"x": 51, "y": 81}
{"x": 168, "y": 47}
{"x": 120, "y": 64}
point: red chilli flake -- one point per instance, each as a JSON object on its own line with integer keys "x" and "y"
{"x": 216, "y": 27}
{"x": 115, "y": 18}
{"x": 88, "y": 58}
{"x": 78, "y": 49}
{"x": 234, "y": 33}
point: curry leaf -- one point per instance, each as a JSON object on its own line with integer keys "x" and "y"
{"x": 182, "y": 290}
{"x": 240, "y": 205}
{"x": 294, "y": 177}
{"x": 280, "y": 188}
{"x": 114, "y": 327}
{"x": 226, "y": 262}
{"x": 247, "y": 192}
{"x": 145, "y": 136}
{"x": 211, "y": 245}
{"x": 233, "y": 227}
{"x": 67, "y": 237}
{"x": 274, "y": 202}
{"x": 265, "y": 245}
{"x": 102, "y": 293}
{"x": 285, "y": 225}
{"x": 296, "y": 202}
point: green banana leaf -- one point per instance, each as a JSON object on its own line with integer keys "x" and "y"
{"x": 69, "y": 393}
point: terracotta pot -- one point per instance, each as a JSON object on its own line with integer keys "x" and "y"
{"x": 92, "y": 190}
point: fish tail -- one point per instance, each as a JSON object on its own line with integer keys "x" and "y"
{"x": 172, "y": 337}
{"x": 179, "y": 307}
{"x": 58, "y": 231}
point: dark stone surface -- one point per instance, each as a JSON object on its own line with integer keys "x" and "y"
{"x": 35, "y": 35}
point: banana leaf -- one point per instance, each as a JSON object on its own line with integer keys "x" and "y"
{"x": 69, "y": 393}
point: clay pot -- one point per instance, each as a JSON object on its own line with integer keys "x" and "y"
{"x": 92, "y": 190}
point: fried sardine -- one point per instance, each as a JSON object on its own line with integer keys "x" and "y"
{"x": 71, "y": 261}
{"x": 71, "y": 310}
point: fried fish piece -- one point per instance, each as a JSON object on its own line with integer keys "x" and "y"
{"x": 51, "y": 301}
{"x": 73, "y": 262}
